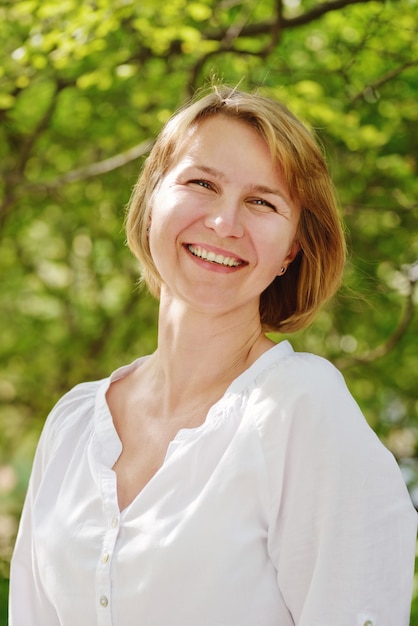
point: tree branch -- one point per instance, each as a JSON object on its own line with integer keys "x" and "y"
{"x": 96, "y": 169}
{"x": 13, "y": 178}
{"x": 384, "y": 79}
{"x": 235, "y": 29}
{"x": 28, "y": 145}
{"x": 231, "y": 35}
{"x": 386, "y": 347}
{"x": 322, "y": 9}
{"x": 264, "y": 28}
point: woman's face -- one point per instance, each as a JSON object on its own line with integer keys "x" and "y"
{"x": 222, "y": 222}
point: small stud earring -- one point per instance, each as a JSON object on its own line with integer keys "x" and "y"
{"x": 282, "y": 270}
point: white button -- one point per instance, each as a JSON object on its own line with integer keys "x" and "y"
{"x": 105, "y": 557}
{"x": 368, "y": 622}
{"x": 115, "y": 522}
{"x": 104, "y": 601}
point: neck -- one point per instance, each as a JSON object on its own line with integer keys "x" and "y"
{"x": 200, "y": 354}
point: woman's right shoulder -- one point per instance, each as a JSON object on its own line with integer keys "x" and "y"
{"x": 79, "y": 394}
{"x": 73, "y": 414}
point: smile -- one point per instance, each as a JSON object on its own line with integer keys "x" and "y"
{"x": 208, "y": 255}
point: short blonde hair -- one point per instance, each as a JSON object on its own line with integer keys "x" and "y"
{"x": 291, "y": 301}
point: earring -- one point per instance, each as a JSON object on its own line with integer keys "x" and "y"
{"x": 282, "y": 270}
{"x": 148, "y": 229}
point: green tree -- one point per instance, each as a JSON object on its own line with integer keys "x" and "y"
{"x": 85, "y": 87}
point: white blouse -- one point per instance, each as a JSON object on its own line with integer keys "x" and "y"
{"x": 283, "y": 508}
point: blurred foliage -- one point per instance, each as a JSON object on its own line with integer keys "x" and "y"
{"x": 85, "y": 87}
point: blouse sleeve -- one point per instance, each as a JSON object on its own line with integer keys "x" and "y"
{"x": 28, "y": 601}
{"x": 342, "y": 527}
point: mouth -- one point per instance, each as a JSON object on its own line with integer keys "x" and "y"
{"x": 212, "y": 257}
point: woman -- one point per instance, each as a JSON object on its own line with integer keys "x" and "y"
{"x": 224, "y": 480}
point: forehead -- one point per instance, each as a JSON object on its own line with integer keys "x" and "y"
{"x": 220, "y": 134}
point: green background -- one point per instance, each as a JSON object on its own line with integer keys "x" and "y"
{"x": 85, "y": 87}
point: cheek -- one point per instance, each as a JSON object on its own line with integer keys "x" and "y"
{"x": 166, "y": 225}
{"x": 273, "y": 248}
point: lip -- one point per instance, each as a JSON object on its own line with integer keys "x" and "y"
{"x": 227, "y": 254}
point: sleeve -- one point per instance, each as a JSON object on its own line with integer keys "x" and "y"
{"x": 28, "y": 600}
{"x": 342, "y": 526}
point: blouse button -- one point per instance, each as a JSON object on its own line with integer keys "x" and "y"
{"x": 115, "y": 522}
{"x": 368, "y": 622}
{"x": 104, "y": 601}
{"x": 105, "y": 557}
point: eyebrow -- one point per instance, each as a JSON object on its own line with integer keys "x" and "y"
{"x": 253, "y": 188}
{"x": 210, "y": 170}
{"x": 275, "y": 192}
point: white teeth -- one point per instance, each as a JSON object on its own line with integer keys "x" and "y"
{"x": 208, "y": 255}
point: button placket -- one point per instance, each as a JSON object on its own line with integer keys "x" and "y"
{"x": 115, "y": 522}
{"x": 104, "y": 568}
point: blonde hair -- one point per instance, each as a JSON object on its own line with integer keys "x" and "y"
{"x": 291, "y": 301}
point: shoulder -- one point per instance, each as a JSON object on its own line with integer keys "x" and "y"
{"x": 72, "y": 415}
{"x": 299, "y": 379}
{"x": 313, "y": 433}
{"x": 75, "y": 414}
{"x": 78, "y": 399}
{"x": 302, "y": 404}
{"x": 309, "y": 373}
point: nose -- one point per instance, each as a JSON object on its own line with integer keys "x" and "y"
{"x": 226, "y": 219}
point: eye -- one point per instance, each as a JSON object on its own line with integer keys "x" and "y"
{"x": 201, "y": 183}
{"x": 260, "y": 202}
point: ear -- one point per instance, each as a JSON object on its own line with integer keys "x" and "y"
{"x": 291, "y": 255}
{"x": 293, "y": 252}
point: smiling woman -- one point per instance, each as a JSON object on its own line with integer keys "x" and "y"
{"x": 292, "y": 302}
{"x": 240, "y": 211}
{"x": 222, "y": 480}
